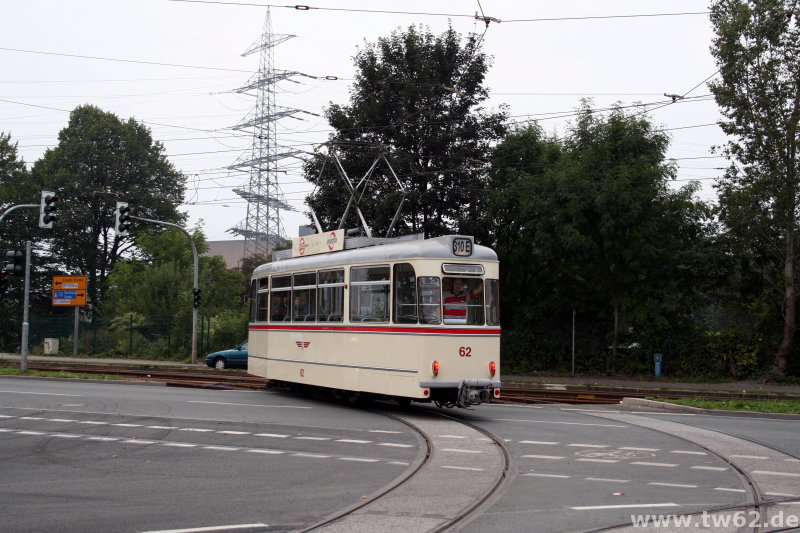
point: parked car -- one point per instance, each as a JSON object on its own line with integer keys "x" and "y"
{"x": 235, "y": 358}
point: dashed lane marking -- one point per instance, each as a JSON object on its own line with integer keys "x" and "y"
{"x": 261, "y": 406}
{"x": 635, "y": 449}
{"x": 628, "y": 506}
{"x": 395, "y": 445}
{"x": 354, "y": 441}
{"x": 578, "y": 445}
{"x": 212, "y": 529}
{"x": 711, "y": 468}
{"x": 197, "y": 430}
{"x": 760, "y": 457}
{"x": 469, "y": 468}
{"x": 180, "y": 445}
{"x": 590, "y": 460}
{"x": 676, "y": 485}
{"x": 608, "y": 480}
{"x": 229, "y": 432}
{"x": 40, "y": 393}
{"x": 451, "y": 436}
{"x": 771, "y": 473}
{"x": 128, "y": 425}
{"x": 552, "y": 457}
{"x": 384, "y": 431}
{"x": 359, "y": 459}
{"x": 272, "y": 435}
{"x": 544, "y": 442}
{"x": 455, "y": 450}
{"x": 556, "y": 476}
{"x": 725, "y": 489}
{"x": 267, "y": 452}
{"x": 313, "y": 438}
{"x": 646, "y": 463}
{"x": 222, "y": 448}
{"x": 688, "y": 452}
{"x": 312, "y": 455}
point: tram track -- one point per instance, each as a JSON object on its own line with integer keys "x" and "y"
{"x": 369, "y": 514}
{"x": 757, "y": 507}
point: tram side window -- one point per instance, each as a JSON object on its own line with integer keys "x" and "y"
{"x": 369, "y": 294}
{"x": 279, "y": 298}
{"x": 430, "y": 299}
{"x": 304, "y": 297}
{"x": 405, "y": 294}
{"x": 330, "y": 296}
{"x": 492, "y": 293}
{"x": 260, "y": 299}
{"x": 463, "y": 301}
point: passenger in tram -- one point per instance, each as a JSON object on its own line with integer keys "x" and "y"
{"x": 301, "y": 308}
{"x": 455, "y": 302}
{"x": 278, "y": 308}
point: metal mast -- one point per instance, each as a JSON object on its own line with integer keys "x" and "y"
{"x": 262, "y": 227}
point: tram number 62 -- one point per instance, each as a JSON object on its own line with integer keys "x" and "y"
{"x": 465, "y": 351}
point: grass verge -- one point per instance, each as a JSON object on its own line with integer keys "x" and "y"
{"x": 6, "y": 371}
{"x": 760, "y": 406}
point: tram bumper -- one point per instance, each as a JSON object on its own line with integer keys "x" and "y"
{"x": 461, "y": 393}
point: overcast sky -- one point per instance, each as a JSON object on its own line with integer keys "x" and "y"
{"x": 541, "y": 69}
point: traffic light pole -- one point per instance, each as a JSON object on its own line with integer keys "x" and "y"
{"x": 15, "y": 208}
{"x": 23, "y": 351}
{"x": 195, "y": 285}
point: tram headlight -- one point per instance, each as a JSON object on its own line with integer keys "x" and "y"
{"x": 492, "y": 368}
{"x": 435, "y": 368}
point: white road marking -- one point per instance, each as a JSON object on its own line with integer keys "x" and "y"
{"x": 384, "y": 431}
{"x": 645, "y": 463}
{"x": 103, "y": 439}
{"x": 750, "y": 456}
{"x": 274, "y": 435}
{"x": 401, "y": 463}
{"x": 262, "y": 406}
{"x": 678, "y": 485}
{"x": 312, "y": 455}
{"x": 222, "y": 448}
{"x": 578, "y": 445}
{"x": 562, "y": 423}
{"x": 93, "y": 423}
{"x": 635, "y": 449}
{"x": 556, "y": 476}
{"x": 211, "y": 529}
{"x": 40, "y": 393}
{"x": 724, "y": 489}
{"x": 792, "y": 460}
{"x": 31, "y": 418}
{"x": 138, "y": 441}
{"x": 553, "y": 457}
{"x": 60, "y": 420}
{"x": 196, "y": 430}
{"x": 781, "y": 494}
{"x": 609, "y": 480}
{"x": 395, "y": 445}
{"x": 771, "y": 473}
{"x": 267, "y": 452}
{"x": 354, "y": 441}
{"x": 160, "y": 427}
{"x": 6, "y": 416}
{"x": 712, "y": 468}
{"x": 546, "y": 442}
{"x": 589, "y": 460}
{"x": 629, "y": 506}
{"x": 6, "y": 430}
{"x": 179, "y": 444}
{"x": 313, "y": 438}
{"x": 127, "y": 425}
{"x": 359, "y": 459}
{"x": 30, "y": 433}
{"x": 463, "y": 468}
{"x": 461, "y": 451}
{"x": 688, "y": 452}
{"x": 66, "y": 436}
{"x": 451, "y": 436}
{"x": 233, "y": 432}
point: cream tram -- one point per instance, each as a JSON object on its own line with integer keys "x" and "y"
{"x": 412, "y": 319}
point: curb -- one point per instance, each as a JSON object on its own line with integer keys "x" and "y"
{"x": 665, "y": 406}
{"x": 89, "y": 380}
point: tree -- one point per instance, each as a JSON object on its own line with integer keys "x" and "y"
{"x": 592, "y": 224}
{"x": 757, "y": 49}
{"x": 418, "y": 98}
{"x": 98, "y": 161}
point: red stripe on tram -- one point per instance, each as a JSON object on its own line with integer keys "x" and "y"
{"x": 378, "y": 329}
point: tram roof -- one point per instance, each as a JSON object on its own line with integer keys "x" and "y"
{"x": 436, "y": 248}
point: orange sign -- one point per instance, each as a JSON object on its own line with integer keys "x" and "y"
{"x": 69, "y": 291}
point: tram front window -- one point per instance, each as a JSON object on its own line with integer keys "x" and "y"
{"x": 369, "y": 294}
{"x": 463, "y": 301}
{"x": 405, "y": 294}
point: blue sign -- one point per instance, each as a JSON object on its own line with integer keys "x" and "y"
{"x": 65, "y": 295}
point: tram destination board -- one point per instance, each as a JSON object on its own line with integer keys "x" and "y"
{"x": 69, "y": 291}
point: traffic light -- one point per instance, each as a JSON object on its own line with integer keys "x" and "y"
{"x": 46, "y": 208}
{"x": 196, "y": 298}
{"x": 122, "y": 220}
{"x": 17, "y": 265}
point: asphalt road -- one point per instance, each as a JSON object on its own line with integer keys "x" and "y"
{"x": 77, "y": 456}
